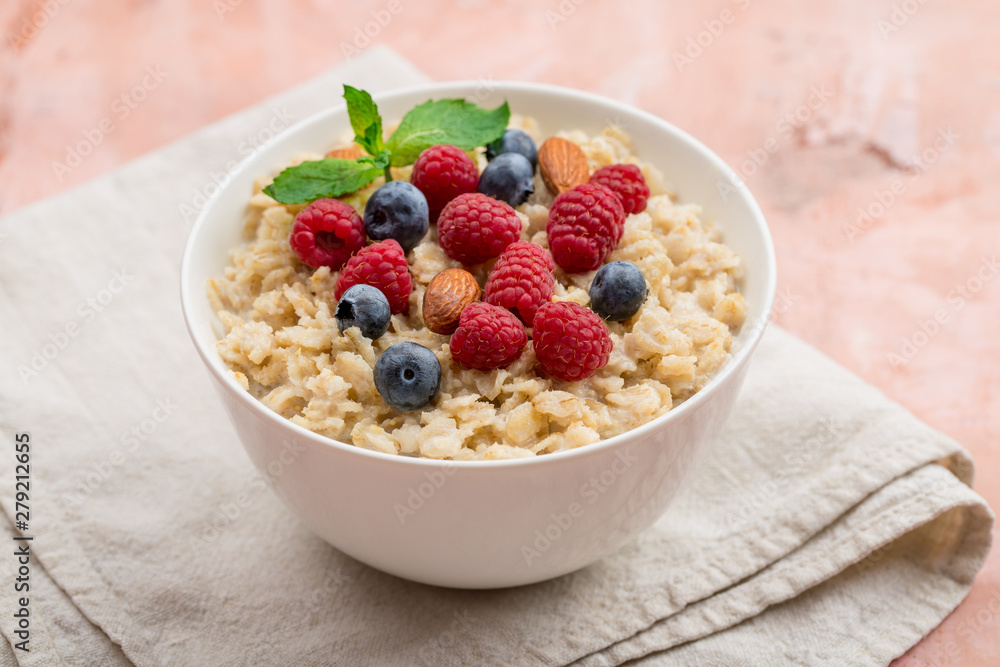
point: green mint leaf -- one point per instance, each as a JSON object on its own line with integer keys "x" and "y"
{"x": 383, "y": 159}
{"x": 330, "y": 177}
{"x": 380, "y": 161}
{"x": 450, "y": 121}
{"x": 373, "y": 139}
{"x": 365, "y": 119}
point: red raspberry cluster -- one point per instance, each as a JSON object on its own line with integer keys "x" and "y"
{"x": 473, "y": 228}
{"x": 381, "y": 265}
{"x": 521, "y": 280}
{"x": 571, "y": 341}
{"x": 442, "y": 173}
{"x": 585, "y": 224}
{"x": 628, "y": 184}
{"x": 326, "y": 233}
{"x": 487, "y": 337}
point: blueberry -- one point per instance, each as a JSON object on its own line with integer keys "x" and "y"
{"x": 365, "y": 307}
{"x": 407, "y": 376}
{"x": 509, "y": 177}
{"x": 514, "y": 141}
{"x": 618, "y": 291}
{"x": 397, "y": 210}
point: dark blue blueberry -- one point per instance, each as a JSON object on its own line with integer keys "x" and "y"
{"x": 508, "y": 177}
{"x": 407, "y": 376}
{"x": 365, "y": 307}
{"x": 618, "y": 291}
{"x": 397, "y": 210}
{"x": 514, "y": 141}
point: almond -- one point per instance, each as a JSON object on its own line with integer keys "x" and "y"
{"x": 447, "y": 295}
{"x": 352, "y": 152}
{"x": 563, "y": 164}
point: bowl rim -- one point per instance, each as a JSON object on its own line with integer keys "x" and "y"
{"x": 733, "y": 364}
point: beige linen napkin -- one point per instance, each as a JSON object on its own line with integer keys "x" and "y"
{"x": 826, "y": 526}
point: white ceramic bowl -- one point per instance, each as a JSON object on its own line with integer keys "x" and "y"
{"x": 493, "y": 523}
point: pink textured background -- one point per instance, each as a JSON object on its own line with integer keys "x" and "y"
{"x": 832, "y": 99}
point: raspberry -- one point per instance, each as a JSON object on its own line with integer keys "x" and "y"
{"x": 585, "y": 224}
{"x": 521, "y": 280}
{"x": 442, "y": 173}
{"x": 487, "y": 337}
{"x": 571, "y": 341}
{"x": 382, "y": 265}
{"x": 626, "y": 181}
{"x": 474, "y": 228}
{"x": 326, "y": 233}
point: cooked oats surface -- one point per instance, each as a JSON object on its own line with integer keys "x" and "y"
{"x": 283, "y": 346}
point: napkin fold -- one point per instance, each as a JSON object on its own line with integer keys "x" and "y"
{"x": 825, "y": 526}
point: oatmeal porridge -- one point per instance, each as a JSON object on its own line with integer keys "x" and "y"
{"x": 284, "y": 346}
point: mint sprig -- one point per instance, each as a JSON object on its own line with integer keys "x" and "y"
{"x": 457, "y": 122}
{"x": 329, "y": 177}
{"x": 447, "y": 121}
{"x": 365, "y": 120}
